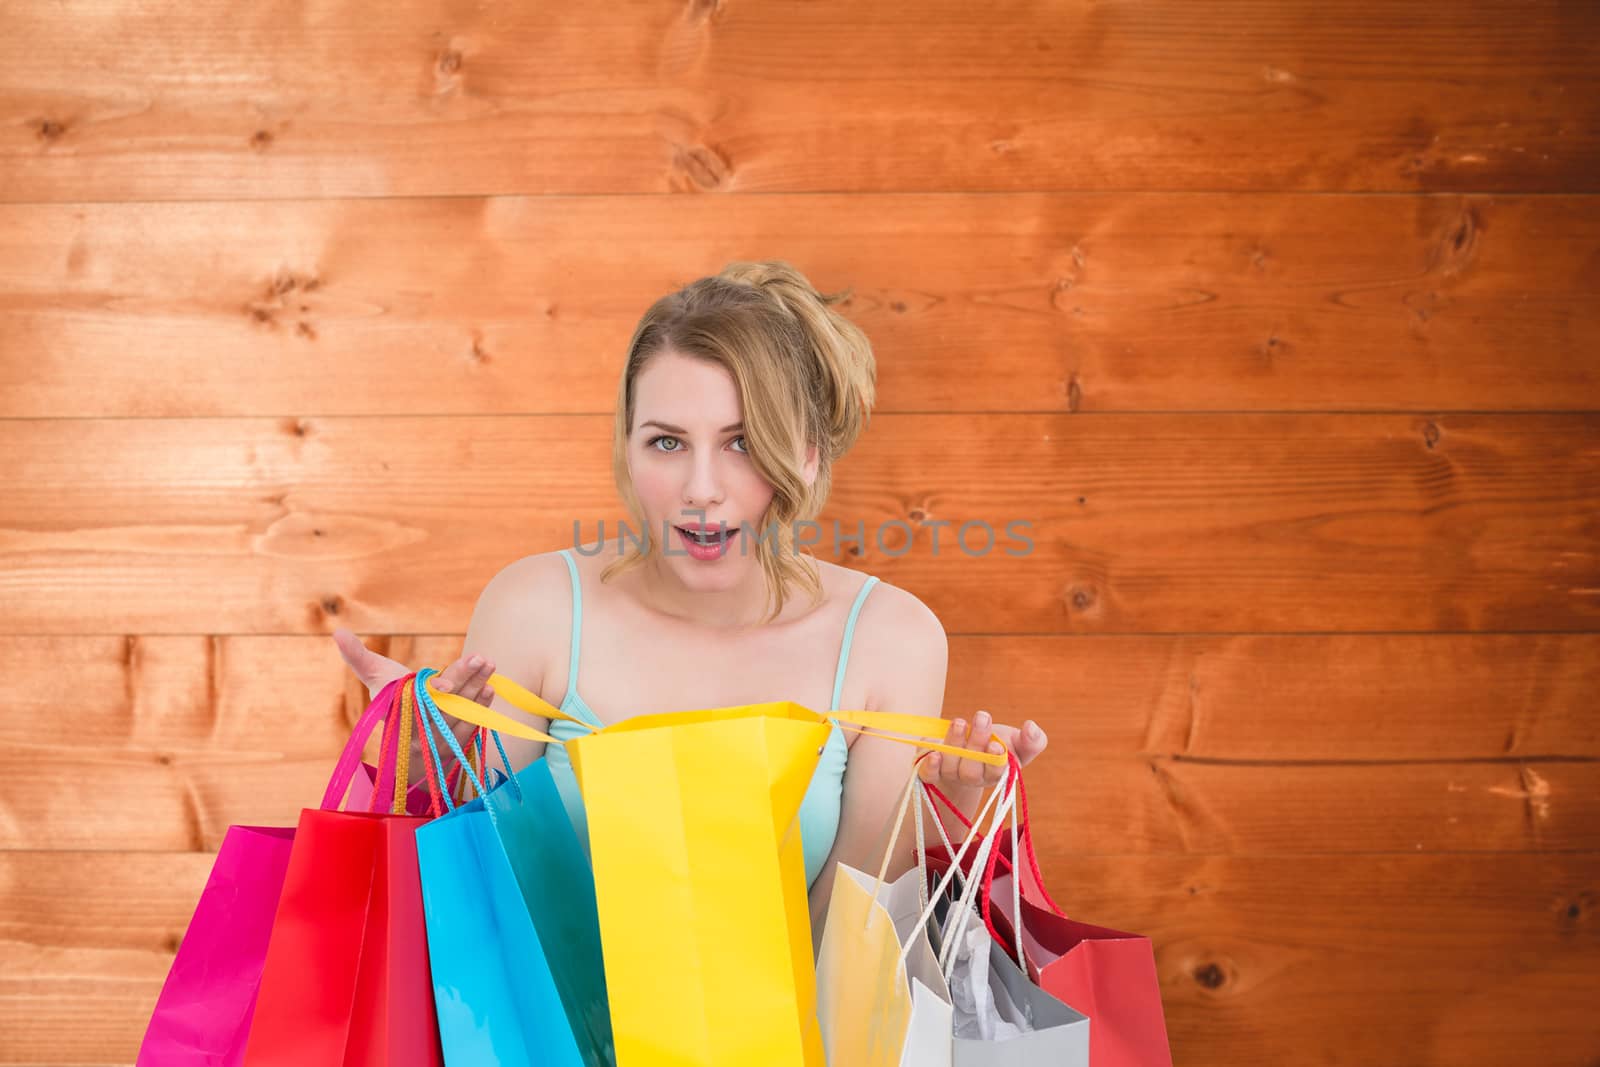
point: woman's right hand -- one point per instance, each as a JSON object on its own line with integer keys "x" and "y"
{"x": 467, "y": 676}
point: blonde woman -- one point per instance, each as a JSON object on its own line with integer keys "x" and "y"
{"x": 739, "y": 393}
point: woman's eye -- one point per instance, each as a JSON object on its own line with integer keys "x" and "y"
{"x": 744, "y": 449}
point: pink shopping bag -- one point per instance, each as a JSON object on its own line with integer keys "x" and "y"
{"x": 203, "y": 1014}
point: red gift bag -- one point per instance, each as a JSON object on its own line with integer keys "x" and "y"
{"x": 1106, "y": 974}
{"x": 346, "y": 980}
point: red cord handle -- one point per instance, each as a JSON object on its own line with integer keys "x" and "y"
{"x": 1025, "y": 841}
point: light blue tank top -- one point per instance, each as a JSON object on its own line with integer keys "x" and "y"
{"x": 819, "y": 811}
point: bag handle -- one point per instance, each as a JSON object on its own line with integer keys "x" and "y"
{"x": 402, "y": 747}
{"x": 344, "y": 770}
{"x": 475, "y": 713}
{"x": 930, "y": 902}
{"x": 424, "y": 688}
{"x": 388, "y": 749}
{"x": 986, "y": 884}
{"x": 892, "y": 831}
{"x": 958, "y": 922}
{"x": 429, "y": 770}
{"x": 924, "y": 731}
{"x": 1025, "y": 841}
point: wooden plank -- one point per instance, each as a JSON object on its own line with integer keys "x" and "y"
{"x": 62, "y": 796}
{"x": 1074, "y": 302}
{"x": 173, "y": 101}
{"x": 1127, "y": 524}
{"x": 1341, "y": 697}
{"x": 1351, "y": 698}
{"x": 1452, "y": 961}
{"x": 1219, "y": 745}
{"x": 1387, "y": 960}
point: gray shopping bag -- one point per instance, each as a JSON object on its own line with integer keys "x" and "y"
{"x": 1038, "y": 1030}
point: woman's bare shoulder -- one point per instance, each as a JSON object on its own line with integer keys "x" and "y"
{"x": 523, "y": 617}
{"x": 890, "y": 612}
{"x": 898, "y": 639}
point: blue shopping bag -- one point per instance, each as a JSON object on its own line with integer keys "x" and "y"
{"x": 513, "y": 931}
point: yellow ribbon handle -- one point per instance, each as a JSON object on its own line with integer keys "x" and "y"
{"x": 475, "y": 713}
{"x": 925, "y": 731}
{"x": 402, "y": 763}
{"x": 922, "y": 731}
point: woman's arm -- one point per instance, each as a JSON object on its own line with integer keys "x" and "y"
{"x": 520, "y": 616}
{"x": 911, "y": 654}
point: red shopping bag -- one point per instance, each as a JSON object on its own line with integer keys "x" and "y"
{"x": 1108, "y": 975}
{"x": 346, "y": 980}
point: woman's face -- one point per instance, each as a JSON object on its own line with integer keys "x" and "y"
{"x": 691, "y": 467}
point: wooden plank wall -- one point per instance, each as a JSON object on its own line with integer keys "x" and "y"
{"x": 1277, "y": 320}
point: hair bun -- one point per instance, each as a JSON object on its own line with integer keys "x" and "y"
{"x": 845, "y": 367}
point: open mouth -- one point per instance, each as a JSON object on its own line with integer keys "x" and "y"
{"x": 709, "y": 537}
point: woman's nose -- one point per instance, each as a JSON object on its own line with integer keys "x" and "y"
{"x": 704, "y": 485}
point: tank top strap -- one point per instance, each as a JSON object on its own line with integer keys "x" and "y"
{"x": 577, "y": 621}
{"x": 849, "y": 636}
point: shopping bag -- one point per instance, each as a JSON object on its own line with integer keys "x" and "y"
{"x": 1001, "y": 1018}
{"x": 203, "y": 1014}
{"x": 1109, "y": 975}
{"x": 418, "y": 801}
{"x": 346, "y": 981}
{"x": 1033, "y": 1028}
{"x": 365, "y": 784}
{"x": 881, "y": 999}
{"x": 513, "y": 934}
{"x": 699, "y": 872}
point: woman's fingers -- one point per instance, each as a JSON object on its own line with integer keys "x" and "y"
{"x": 950, "y": 766}
{"x": 952, "y": 771}
{"x": 467, "y": 677}
{"x": 476, "y": 684}
{"x": 984, "y": 735}
{"x": 1030, "y": 742}
{"x": 374, "y": 671}
{"x": 932, "y": 769}
{"x": 972, "y": 771}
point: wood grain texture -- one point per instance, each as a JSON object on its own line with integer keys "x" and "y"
{"x": 1056, "y": 303}
{"x": 63, "y": 799}
{"x": 441, "y": 99}
{"x": 1275, "y": 321}
{"x": 1445, "y": 960}
{"x": 1331, "y": 699}
{"x": 1228, "y": 745}
{"x": 1158, "y": 523}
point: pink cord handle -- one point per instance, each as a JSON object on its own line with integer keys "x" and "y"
{"x": 345, "y": 769}
{"x": 388, "y": 757}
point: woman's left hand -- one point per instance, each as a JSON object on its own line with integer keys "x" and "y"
{"x": 948, "y": 770}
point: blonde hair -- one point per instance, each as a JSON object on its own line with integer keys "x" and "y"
{"x": 805, "y": 375}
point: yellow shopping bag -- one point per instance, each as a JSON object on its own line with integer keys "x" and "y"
{"x": 699, "y": 870}
{"x": 882, "y": 997}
